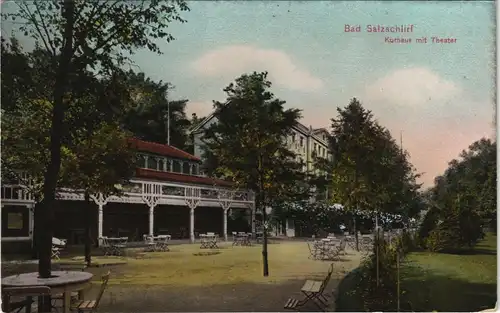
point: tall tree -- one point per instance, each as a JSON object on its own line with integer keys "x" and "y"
{"x": 156, "y": 117}
{"x": 87, "y": 34}
{"x": 248, "y": 143}
{"x": 464, "y": 198}
{"x": 369, "y": 171}
{"x": 95, "y": 155}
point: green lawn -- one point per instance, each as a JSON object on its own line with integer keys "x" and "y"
{"x": 439, "y": 281}
{"x": 451, "y": 282}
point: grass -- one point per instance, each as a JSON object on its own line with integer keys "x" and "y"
{"x": 183, "y": 267}
{"x": 451, "y": 282}
{"x": 438, "y": 281}
{"x": 230, "y": 281}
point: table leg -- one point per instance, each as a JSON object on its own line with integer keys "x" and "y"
{"x": 28, "y": 307}
{"x": 66, "y": 301}
{"x": 81, "y": 294}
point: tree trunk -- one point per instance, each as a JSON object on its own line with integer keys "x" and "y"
{"x": 36, "y": 227}
{"x": 87, "y": 213}
{"x": 355, "y": 232}
{"x": 53, "y": 168}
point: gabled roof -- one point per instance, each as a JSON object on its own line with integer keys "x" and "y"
{"x": 161, "y": 149}
{"x": 181, "y": 178}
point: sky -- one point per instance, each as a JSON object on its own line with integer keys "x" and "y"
{"x": 440, "y": 96}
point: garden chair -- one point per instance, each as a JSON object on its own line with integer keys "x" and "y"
{"x": 25, "y": 292}
{"x": 342, "y": 246}
{"x": 313, "y": 251}
{"x": 57, "y": 246}
{"x": 235, "y": 238}
{"x": 105, "y": 246}
{"x": 313, "y": 291}
{"x": 92, "y": 305}
{"x": 149, "y": 242}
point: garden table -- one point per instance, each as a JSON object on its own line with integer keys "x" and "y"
{"x": 208, "y": 241}
{"x": 117, "y": 245}
{"x": 64, "y": 282}
{"x": 161, "y": 242}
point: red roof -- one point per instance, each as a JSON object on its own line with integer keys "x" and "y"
{"x": 181, "y": 178}
{"x": 161, "y": 149}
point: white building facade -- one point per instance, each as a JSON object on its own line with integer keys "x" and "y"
{"x": 306, "y": 142}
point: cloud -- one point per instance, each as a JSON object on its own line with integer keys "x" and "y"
{"x": 414, "y": 87}
{"x": 231, "y": 61}
{"x": 436, "y": 116}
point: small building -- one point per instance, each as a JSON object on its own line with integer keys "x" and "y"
{"x": 167, "y": 195}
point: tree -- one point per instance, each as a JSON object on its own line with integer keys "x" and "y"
{"x": 81, "y": 35}
{"x": 463, "y": 199}
{"x": 95, "y": 155}
{"x": 150, "y": 119}
{"x": 368, "y": 171}
{"x": 248, "y": 143}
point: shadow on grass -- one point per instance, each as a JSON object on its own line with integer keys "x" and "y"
{"x": 424, "y": 292}
{"x": 475, "y": 251}
{"x": 433, "y": 291}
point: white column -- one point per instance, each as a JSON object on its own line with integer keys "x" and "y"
{"x": 145, "y": 161}
{"x": 99, "y": 220}
{"x": 157, "y": 163}
{"x": 191, "y": 225}
{"x": 165, "y": 164}
{"x": 151, "y": 220}
{"x": 224, "y": 223}
{"x": 190, "y": 169}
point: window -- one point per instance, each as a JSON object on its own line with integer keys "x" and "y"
{"x": 176, "y": 168}
{"x": 152, "y": 163}
{"x": 196, "y": 169}
{"x": 185, "y": 168}
{"x": 301, "y": 141}
{"x": 141, "y": 161}
{"x": 15, "y": 220}
{"x": 293, "y": 137}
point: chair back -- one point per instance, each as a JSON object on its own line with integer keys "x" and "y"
{"x": 342, "y": 245}
{"x": 327, "y": 278}
{"x": 103, "y": 241}
{"x": 147, "y": 238}
{"x": 72, "y": 267}
{"x": 58, "y": 242}
{"x": 104, "y": 284}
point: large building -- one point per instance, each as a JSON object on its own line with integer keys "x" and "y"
{"x": 306, "y": 142}
{"x": 167, "y": 195}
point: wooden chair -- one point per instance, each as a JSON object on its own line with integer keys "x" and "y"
{"x": 313, "y": 291}
{"x": 313, "y": 251}
{"x": 92, "y": 305}
{"x": 149, "y": 242}
{"x": 28, "y": 292}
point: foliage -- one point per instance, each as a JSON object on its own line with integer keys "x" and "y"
{"x": 148, "y": 120}
{"x": 78, "y": 36}
{"x": 463, "y": 199}
{"x": 369, "y": 170}
{"x": 248, "y": 143}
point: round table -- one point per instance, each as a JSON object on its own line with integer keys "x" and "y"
{"x": 63, "y": 282}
